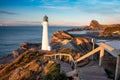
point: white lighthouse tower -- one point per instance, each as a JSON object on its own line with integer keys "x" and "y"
{"x": 45, "y": 41}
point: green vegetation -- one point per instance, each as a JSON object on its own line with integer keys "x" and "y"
{"x": 52, "y": 71}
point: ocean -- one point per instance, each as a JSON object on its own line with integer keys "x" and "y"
{"x": 12, "y": 36}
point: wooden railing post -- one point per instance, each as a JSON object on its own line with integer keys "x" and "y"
{"x": 93, "y": 46}
{"x": 70, "y": 59}
{"x": 101, "y": 55}
{"x": 55, "y": 57}
{"x": 60, "y": 56}
{"x": 44, "y": 57}
{"x": 117, "y": 72}
{"x": 51, "y": 57}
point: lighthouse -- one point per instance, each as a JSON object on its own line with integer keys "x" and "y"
{"x": 45, "y": 41}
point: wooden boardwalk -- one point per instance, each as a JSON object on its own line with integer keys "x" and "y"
{"x": 64, "y": 66}
{"x": 92, "y": 72}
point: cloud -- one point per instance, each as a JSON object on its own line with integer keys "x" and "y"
{"x": 19, "y": 23}
{"x": 57, "y": 7}
{"x": 7, "y": 12}
{"x": 53, "y": 2}
{"x": 104, "y": 2}
{"x": 102, "y": 7}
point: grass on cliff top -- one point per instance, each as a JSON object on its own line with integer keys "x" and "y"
{"x": 20, "y": 61}
{"x": 26, "y": 58}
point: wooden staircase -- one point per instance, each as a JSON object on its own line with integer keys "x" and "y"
{"x": 92, "y": 71}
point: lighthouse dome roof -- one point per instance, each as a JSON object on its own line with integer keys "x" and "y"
{"x": 45, "y": 18}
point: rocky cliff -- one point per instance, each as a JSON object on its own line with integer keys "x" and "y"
{"x": 60, "y": 36}
{"x": 62, "y": 39}
{"x": 94, "y": 24}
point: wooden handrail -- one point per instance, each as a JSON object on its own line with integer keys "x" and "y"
{"x": 59, "y": 54}
{"x": 110, "y": 49}
{"x": 71, "y": 73}
{"x": 100, "y": 48}
{"x": 107, "y": 46}
{"x": 88, "y": 54}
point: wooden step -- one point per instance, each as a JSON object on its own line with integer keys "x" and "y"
{"x": 93, "y": 72}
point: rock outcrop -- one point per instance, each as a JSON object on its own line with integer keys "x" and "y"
{"x": 62, "y": 39}
{"x": 94, "y": 24}
{"x": 26, "y": 72}
{"x": 22, "y": 48}
{"x": 26, "y": 46}
{"x": 71, "y": 44}
{"x": 59, "y": 36}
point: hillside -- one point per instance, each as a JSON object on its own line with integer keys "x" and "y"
{"x": 30, "y": 65}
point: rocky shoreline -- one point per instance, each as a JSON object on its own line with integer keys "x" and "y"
{"x": 95, "y": 35}
{"x": 22, "y": 48}
{"x": 108, "y": 31}
{"x": 60, "y": 39}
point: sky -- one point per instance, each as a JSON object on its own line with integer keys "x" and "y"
{"x": 59, "y": 12}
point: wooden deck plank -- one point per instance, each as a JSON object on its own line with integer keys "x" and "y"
{"x": 64, "y": 66}
{"x": 92, "y": 72}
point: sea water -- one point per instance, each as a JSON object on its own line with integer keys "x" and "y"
{"x": 12, "y": 36}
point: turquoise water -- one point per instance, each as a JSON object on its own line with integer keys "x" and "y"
{"x": 12, "y": 36}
